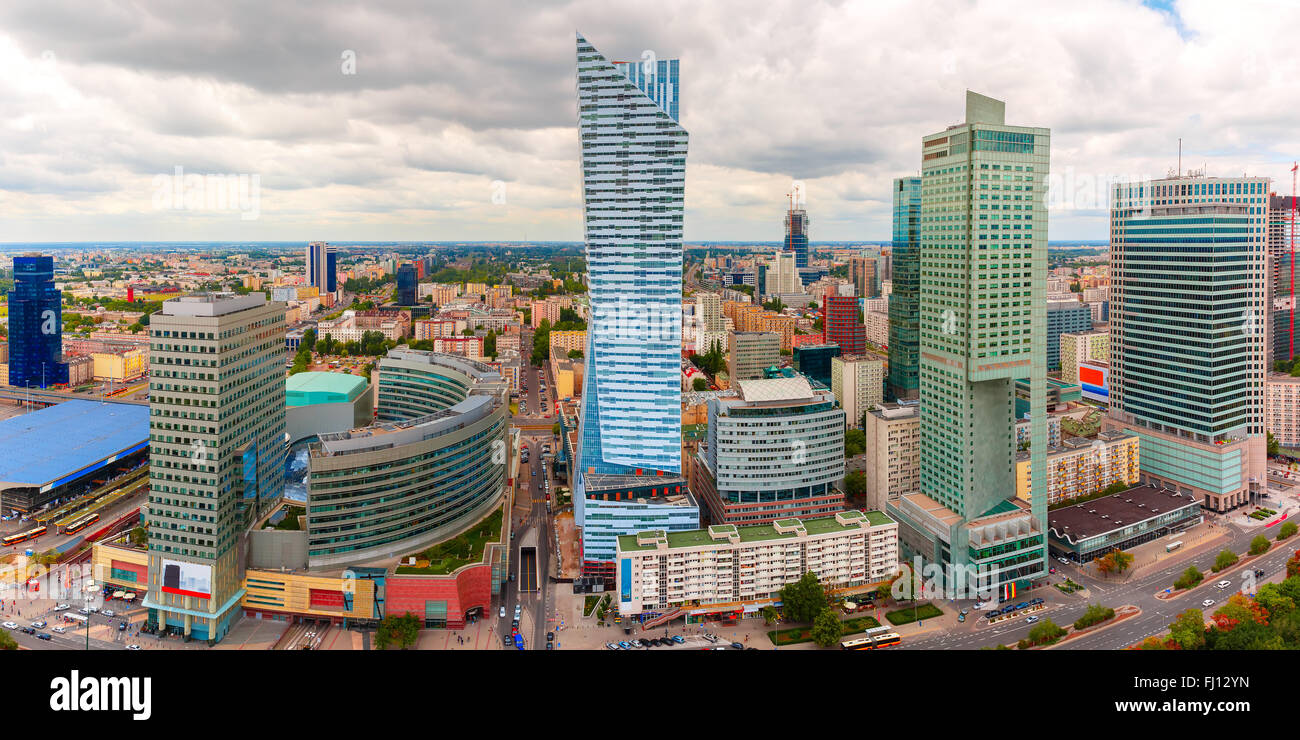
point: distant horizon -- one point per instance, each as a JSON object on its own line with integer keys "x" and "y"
{"x": 461, "y": 242}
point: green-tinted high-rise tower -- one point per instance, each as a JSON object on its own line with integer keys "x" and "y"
{"x": 983, "y": 277}
{"x": 904, "y": 318}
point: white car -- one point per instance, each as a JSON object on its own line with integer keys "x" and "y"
{"x": 1207, "y": 603}
{"x": 11, "y": 625}
{"x": 59, "y": 629}
{"x": 109, "y": 613}
{"x": 1222, "y": 585}
{"x": 1031, "y": 619}
{"x": 503, "y": 612}
{"x": 62, "y": 607}
{"x": 132, "y": 647}
{"x": 38, "y": 624}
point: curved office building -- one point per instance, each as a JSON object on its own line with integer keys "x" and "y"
{"x": 434, "y": 463}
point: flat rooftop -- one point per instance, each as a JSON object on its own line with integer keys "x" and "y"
{"x": 50, "y": 445}
{"x": 758, "y": 532}
{"x": 1116, "y": 511}
{"x": 305, "y": 389}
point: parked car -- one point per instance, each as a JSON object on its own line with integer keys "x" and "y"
{"x": 710, "y": 637}
{"x": 611, "y": 646}
{"x": 11, "y": 625}
{"x": 737, "y": 646}
{"x": 961, "y": 617}
{"x": 508, "y": 640}
{"x": 637, "y": 643}
{"x": 132, "y": 647}
{"x": 1023, "y": 605}
{"x": 625, "y": 646}
{"x": 62, "y": 607}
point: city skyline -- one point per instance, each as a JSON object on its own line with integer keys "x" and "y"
{"x": 423, "y": 143}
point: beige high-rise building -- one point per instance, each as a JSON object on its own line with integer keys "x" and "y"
{"x": 216, "y": 451}
{"x": 1079, "y": 347}
{"x": 750, "y": 353}
{"x": 893, "y": 453}
{"x": 1282, "y": 409}
{"x": 858, "y": 382}
{"x": 708, "y": 312}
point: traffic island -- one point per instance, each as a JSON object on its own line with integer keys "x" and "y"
{"x": 1122, "y": 613}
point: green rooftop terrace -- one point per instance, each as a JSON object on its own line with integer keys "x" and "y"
{"x": 753, "y": 533}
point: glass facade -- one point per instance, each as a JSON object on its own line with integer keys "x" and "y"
{"x": 35, "y": 325}
{"x": 633, "y": 176}
{"x": 796, "y": 236}
{"x": 1064, "y": 317}
{"x": 406, "y": 281}
{"x": 905, "y": 252}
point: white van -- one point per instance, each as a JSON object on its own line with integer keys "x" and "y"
{"x": 1222, "y": 585}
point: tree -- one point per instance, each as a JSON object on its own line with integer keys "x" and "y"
{"x": 855, "y": 442}
{"x": 1153, "y": 643}
{"x": 774, "y": 305}
{"x": 1259, "y": 545}
{"x": 1293, "y": 565}
{"x": 803, "y": 599}
{"x": 7, "y": 641}
{"x": 1225, "y": 559}
{"x": 770, "y": 615}
{"x": 308, "y": 340}
{"x": 1287, "y": 531}
{"x": 826, "y": 630}
{"x": 1094, "y": 614}
{"x": 1188, "y": 630}
{"x": 700, "y": 384}
{"x": 855, "y": 484}
{"x": 1273, "y": 447}
{"x": 401, "y": 631}
{"x": 1115, "y": 561}
{"x": 135, "y": 328}
{"x": 1189, "y": 578}
{"x": 1045, "y": 632}
{"x": 139, "y": 536}
{"x": 575, "y": 354}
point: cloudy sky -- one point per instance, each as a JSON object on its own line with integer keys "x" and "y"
{"x": 456, "y": 120}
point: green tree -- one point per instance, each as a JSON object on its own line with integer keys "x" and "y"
{"x": 490, "y": 344}
{"x": 309, "y": 339}
{"x": 1094, "y": 614}
{"x": 774, "y": 305}
{"x": 770, "y": 615}
{"x": 1259, "y": 545}
{"x": 804, "y": 599}
{"x": 1287, "y": 531}
{"x": 855, "y": 442}
{"x": 575, "y": 354}
{"x": 1225, "y": 559}
{"x": 7, "y": 641}
{"x": 1189, "y": 578}
{"x": 1045, "y": 632}
{"x": 401, "y": 631}
{"x": 1273, "y": 447}
{"x": 855, "y": 484}
{"x": 1188, "y": 630}
{"x": 700, "y": 384}
{"x": 139, "y": 536}
{"x": 826, "y": 630}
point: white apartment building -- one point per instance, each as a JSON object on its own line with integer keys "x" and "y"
{"x": 877, "y": 328}
{"x": 858, "y": 382}
{"x": 1083, "y": 465}
{"x": 742, "y": 569}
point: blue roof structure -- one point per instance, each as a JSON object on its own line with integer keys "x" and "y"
{"x": 54, "y": 445}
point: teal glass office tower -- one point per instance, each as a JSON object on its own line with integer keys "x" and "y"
{"x": 35, "y": 325}
{"x": 983, "y": 260}
{"x": 904, "y": 309}
{"x": 1189, "y": 329}
{"x": 633, "y": 181}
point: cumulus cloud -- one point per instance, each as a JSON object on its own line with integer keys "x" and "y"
{"x": 453, "y": 103}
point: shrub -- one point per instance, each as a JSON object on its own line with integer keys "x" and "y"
{"x": 1189, "y": 579}
{"x": 1226, "y": 559}
{"x": 1259, "y": 545}
{"x": 1094, "y": 614}
{"x": 1288, "y": 530}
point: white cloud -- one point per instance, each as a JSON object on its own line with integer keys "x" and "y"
{"x": 448, "y": 99}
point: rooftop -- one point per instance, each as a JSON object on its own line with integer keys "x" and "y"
{"x": 776, "y": 389}
{"x": 754, "y": 533}
{"x": 306, "y": 389}
{"x": 1116, "y": 511}
{"x": 46, "y": 446}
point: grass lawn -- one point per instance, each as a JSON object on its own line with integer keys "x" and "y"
{"x": 446, "y": 557}
{"x": 796, "y": 635}
{"x": 589, "y": 604}
{"x": 907, "y": 615}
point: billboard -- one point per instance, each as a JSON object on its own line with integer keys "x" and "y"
{"x": 1094, "y": 378}
{"x": 186, "y": 579}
